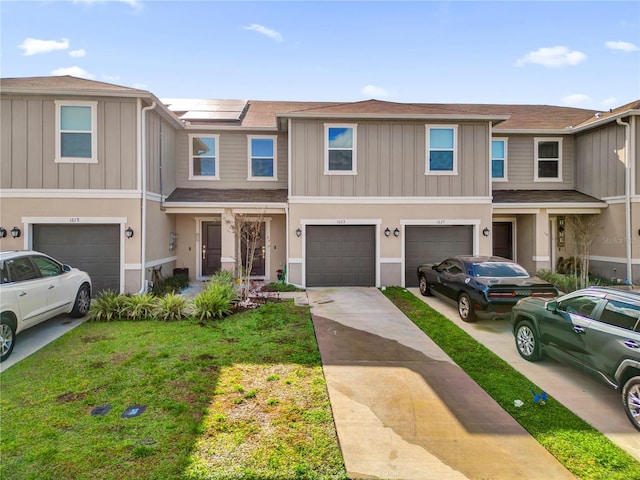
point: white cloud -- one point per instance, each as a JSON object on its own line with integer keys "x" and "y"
{"x": 77, "y": 53}
{"x": 553, "y": 57}
{"x": 265, "y": 31}
{"x": 110, "y": 78}
{"x": 576, "y": 99}
{"x": 375, "y": 92}
{"x": 133, "y": 3}
{"x": 33, "y": 46}
{"x": 73, "y": 71}
{"x": 140, "y": 86}
{"x": 610, "y": 102}
{"x": 624, "y": 46}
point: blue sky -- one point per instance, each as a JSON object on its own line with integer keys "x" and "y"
{"x": 582, "y": 54}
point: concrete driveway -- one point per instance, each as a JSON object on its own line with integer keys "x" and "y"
{"x": 36, "y": 337}
{"x": 588, "y": 398}
{"x": 403, "y": 409}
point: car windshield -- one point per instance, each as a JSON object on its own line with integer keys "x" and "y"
{"x": 499, "y": 269}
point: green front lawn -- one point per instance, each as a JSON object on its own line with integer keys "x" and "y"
{"x": 579, "y": 447}
{"x": 242, "y": 397}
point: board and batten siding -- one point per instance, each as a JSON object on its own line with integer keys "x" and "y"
{"x": 601, "y": 157}
{"x": 233, "y": 161}
{"x": 391, "y": 161}
{"x": 521, "y": 164}
{"x": 27, "y": 152}
{"x": 161, "y": 151}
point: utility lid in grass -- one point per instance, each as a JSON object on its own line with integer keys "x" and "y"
{"x": 101, "y": 411}
{"x": 133, "y": 411}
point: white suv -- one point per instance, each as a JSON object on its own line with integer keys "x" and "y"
{"x": 33, "y": 288}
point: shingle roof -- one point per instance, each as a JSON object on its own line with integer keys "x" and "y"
{"x": 542, "y": 196}
{"x": 227, "y": 195}
{"x": 64, "y": 82}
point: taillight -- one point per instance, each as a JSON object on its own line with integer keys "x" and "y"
{"x": 502, "y": 294}
{"x": 543, "y": 294}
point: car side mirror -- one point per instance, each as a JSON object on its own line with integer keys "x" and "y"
{"x": 435, "y": 267}
{"x": 552, "y": 306}
{"x": 66, "y": 268}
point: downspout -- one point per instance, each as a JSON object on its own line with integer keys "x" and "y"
{"x": 143, "y": 160}
{"x": 160, "y": 168}
{"x": 627, "y": 197}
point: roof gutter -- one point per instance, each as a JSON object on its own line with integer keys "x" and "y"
{"x": 627, "y": 196}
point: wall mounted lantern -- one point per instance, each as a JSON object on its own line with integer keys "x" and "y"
{"x": 387, "y": 232}
{"x": 129, "y": 232}
{"x": 15, "y": 232}
{"x": 486, "y": 231}
{"x": 396, "y": 233}
{"x": 3, "y": 232}
{"x": 298, "y": 232}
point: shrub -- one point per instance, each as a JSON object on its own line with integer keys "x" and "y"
{"x": 280, "y": 287}
{"x": 172, "y": 307}
{"x": 214, "y": 301}
{"x": 108, "y": 306}
{"x": 222, "y": 276}
{"x": 171, "y": 285}
{"x": 569, "y": 283}
{"x": 140, "y": 307}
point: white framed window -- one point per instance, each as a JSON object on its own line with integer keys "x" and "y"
{"x": 204, "y": 157}
{"x": 442, "y": 150}
{"x": 76, "y": 132}
{"x": 548, "y": 159}
{"x": 340, "y": 149}
{"x": 262, "y": 157}
{"x": 499, "y": 159}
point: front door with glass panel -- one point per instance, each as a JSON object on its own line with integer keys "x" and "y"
{"x": 260, "y": 250}
{"x": 211, "y": 247}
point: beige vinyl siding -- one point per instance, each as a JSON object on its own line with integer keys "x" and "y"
{"x": 233, "y": 161}
{"x": 391, "y": 160}
{"x": 161, "y": 149}
{"x": 521, "y": 165}
{"x": 27, "y": 136}
{"x": 600, "y": 155}
{"x": 636, "y": 135}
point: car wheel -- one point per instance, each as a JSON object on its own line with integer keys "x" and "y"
{"x": 83, "y": 302}
{"x": 631, "y": 400}
{"x": 424, "y": 286}
{"x": 465, "y": 309}
{"x": 7, "y": 339}
{"x": 527, "y": 342}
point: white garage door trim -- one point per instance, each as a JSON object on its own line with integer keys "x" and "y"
{"x": 28, "y": 223}
{"x": 340, "y": 221}
{"x": 475, "y": 223}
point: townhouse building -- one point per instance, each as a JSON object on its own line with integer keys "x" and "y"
{"x": 119, "y": 182}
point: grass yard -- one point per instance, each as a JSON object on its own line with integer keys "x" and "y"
{"x": 243, "y": 397}
{"x": 584, "y": 451}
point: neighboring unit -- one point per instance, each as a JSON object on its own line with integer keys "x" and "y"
{"x": 595, "y": 329}
{"x": 119, "y": 182}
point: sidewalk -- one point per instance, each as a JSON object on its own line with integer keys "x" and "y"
{"x": 403, "y": 409}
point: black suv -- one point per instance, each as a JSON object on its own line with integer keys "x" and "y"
{"x": 597, "y": 329}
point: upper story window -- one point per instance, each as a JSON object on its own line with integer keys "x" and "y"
{"x": 548, "y": 160}
{"x": 204, "y": 163}
{"x": 499, "y": 159}
{"x": 340, "y": 149}
{"x": 262, "y": 158}
{"x": 442, "y": 150}
{"x": 76, "y": 137}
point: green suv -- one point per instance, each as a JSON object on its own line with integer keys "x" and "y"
{"x": 596, "y": 329}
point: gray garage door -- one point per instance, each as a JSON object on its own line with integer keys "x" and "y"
{"x": 430, "y": 244}
{"x": 340, "y": 255}
{"x": 92, "y": 248}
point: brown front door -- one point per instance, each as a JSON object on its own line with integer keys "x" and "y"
{"x": 260, "y": 253}
{"x": 211, "y": 248}
{"x": 503, "y": 239}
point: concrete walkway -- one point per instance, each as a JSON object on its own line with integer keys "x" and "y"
{"x": 403, "y": 409}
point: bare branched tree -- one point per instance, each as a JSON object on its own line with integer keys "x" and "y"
{"x": 582, "y": 231}
{"x": 249, "y": 231}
